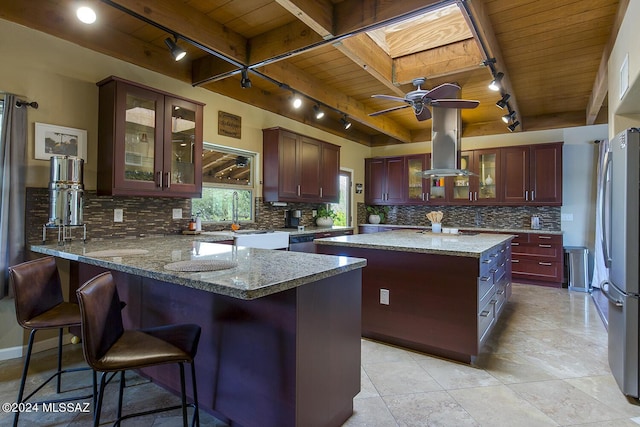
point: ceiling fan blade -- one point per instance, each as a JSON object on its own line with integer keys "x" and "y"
{"x": 377, "y": 113}
{"x": 425, "y": 114}
{"x": 445, "y": 90}
{"x": 454, "y": 103}
{"x": 390, "y": 98}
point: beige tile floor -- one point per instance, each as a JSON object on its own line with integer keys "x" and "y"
{"x": 545, "y": 364}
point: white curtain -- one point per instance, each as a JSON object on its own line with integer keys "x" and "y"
{"x": 600, "y": 271}
{"x": 13, "y": 143}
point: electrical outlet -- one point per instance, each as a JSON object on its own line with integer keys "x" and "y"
{"x": 118, "y": 215}
{"x": 566, "y": 217}
{"x": 314, "y": 213}
{"x": 177, "y": 214}
{"x": 384, "y": 296}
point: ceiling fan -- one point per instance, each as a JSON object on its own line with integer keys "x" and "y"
{"x": 440, "y": 96}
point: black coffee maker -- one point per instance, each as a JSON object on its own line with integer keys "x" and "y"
{"x": 292, "y": 218}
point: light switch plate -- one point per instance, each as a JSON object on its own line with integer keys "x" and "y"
{"x": 177, "y": 213}
{"x": 118, "y": 215}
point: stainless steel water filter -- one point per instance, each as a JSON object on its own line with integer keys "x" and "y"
{"x": 66, "y": 191}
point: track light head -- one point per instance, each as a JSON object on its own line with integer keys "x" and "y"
{"x": 508, "y": 117}
{"x": 86, "y": 14}
{"x": 176, "y": 51}
{"x": 296, "y": 101}
{"x": 513, "y": 126}
{"x": 318, "y": 112}
{"x": 346, "y": 124}
{"x": 495, "y": 83}
{"x": 245, "y": 82}
{"x": 503, "y": 101}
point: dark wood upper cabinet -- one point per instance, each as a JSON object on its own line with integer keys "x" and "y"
{"x": 297, "y": 168}
{"x": 385, "y": 181}
{"x": 521, "y": 175}
{"x": 149, "y": 142}
{"x": 532, "y": 174}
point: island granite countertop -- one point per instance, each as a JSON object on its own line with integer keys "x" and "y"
{"x": 259, "y": 272}
{"x": 422, "y": 241}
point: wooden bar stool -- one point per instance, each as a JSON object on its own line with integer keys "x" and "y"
{"x": 108, "y": 347}
{"x": 40, "y": 305}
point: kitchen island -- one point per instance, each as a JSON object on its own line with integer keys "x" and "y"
{"x": 280, "y": 342}
{"x": 437, "y": 293}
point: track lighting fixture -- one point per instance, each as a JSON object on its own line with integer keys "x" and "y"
{"x": 296, "y": 101}
{"x": 346, "y": 124}
{"x": 318, "y": 112}
{"x": 86, "y": 15}
{"x": 509, "y": 117}
{"x": 503, "y": 101}
{"x": 495, "y": 83}
{"x": 176, "y": 51}
{"x": 513, "y": 125}
{"x": 489, "y": 62}
{"x": 245, "y": 82}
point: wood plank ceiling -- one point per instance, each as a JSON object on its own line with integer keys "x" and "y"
{"x": 338, "y": 53}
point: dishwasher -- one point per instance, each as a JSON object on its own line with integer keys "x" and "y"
{"x": 302, "y": 243}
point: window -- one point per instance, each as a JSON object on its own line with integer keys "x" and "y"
{"x": 343, "y": 207}
{"x": 225, "y": 172}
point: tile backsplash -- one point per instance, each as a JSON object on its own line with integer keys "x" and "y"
{"x": 472, "y": 216}
{"x": 147, "y": 216}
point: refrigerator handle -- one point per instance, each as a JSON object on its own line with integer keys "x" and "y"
{"x": 604, "y": 214}
{"x": 604, "y": 286}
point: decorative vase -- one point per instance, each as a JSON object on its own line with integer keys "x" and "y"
{"x": 374, "y": 219}
{"x": 488, "y": 180}
{"x": 324, "y": 221}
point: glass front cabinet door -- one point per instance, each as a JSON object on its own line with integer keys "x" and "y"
{"x": 149, "y": 142}
{"x": 417, "y": 186}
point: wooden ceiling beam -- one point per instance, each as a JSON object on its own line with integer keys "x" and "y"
{"x": 188, "y": 22}
{"x": 439, "y": 62}
{"x": 354, "y": 15}
{"x": 601, "y": 83}
{"x": 371, "y": 58}
{"x": 317, "y": 90}
{"x": 48, "y": 17}
{"x": 476, "y": 13}
{"x": 315, "y": 14}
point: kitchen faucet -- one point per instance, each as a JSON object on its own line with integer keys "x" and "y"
{"x": 234, "y": 208}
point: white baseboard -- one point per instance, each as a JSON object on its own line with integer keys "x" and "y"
{"x": 38, "y": 346}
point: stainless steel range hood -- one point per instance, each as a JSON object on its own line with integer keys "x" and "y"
{"x": 445, "y": 144}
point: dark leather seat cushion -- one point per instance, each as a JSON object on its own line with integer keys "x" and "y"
{"x": 60, "y": 316}
{"x": 136, "y": 349}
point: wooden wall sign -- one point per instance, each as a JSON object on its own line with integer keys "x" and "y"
{"x": 229, "y": 125}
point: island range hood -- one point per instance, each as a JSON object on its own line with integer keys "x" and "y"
{"x": 445, "y": 144}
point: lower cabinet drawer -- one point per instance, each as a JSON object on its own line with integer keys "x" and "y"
{"x": 501, "y": 297}
{"x": 486, "y": 317}
{"x": 536, "y": 270}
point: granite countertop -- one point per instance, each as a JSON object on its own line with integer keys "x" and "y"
{"x": 421, "y": 241}
{"x": 259, "y": 272}
{"x": 470, "y": 228}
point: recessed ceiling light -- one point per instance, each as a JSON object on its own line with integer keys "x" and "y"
{"x": 86, "y": 14}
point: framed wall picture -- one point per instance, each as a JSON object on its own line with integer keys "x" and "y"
{"x": 53, "y": 140}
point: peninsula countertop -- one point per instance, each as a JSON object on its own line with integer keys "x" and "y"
{"x": 259, "y": 272}
{"x": 422, "y": 241}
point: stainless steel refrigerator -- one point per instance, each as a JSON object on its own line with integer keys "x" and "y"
{"x": 621, "y": 247}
